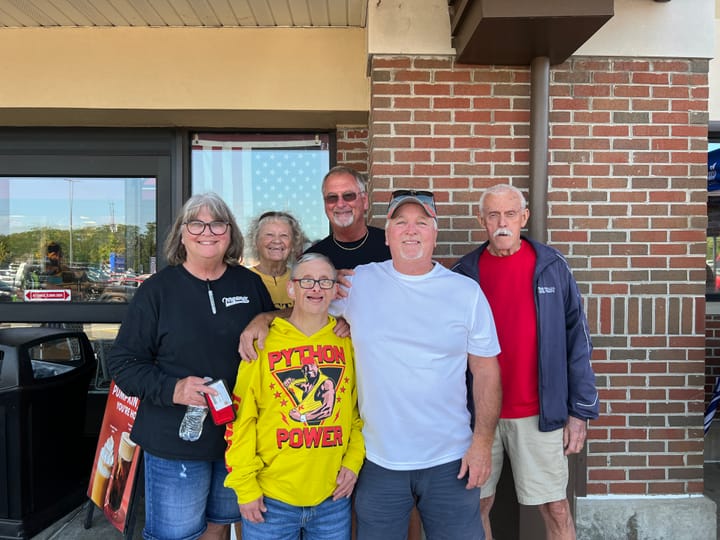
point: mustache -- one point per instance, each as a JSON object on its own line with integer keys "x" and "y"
{"x": 503, "y": 231}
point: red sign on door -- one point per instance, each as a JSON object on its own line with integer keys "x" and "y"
{"x": 48, "y": 295}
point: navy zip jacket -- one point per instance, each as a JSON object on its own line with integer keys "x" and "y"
{"x": 566, "y": 382}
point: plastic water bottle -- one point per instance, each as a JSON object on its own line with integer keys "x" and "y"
{"x": 192, "y": 423}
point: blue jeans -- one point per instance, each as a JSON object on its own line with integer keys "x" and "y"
{"x": 384, "y": 499}
{"x": 181, "y": 497}
{"x": 329, "y": 520}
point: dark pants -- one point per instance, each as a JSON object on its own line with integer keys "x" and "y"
{"x": 384, "y": 499}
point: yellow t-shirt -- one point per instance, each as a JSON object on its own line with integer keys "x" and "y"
{"x": 277, "y": 287}
{"x": 297, "y": 418}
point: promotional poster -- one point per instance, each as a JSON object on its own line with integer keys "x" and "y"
{"x": 116, "y": 458}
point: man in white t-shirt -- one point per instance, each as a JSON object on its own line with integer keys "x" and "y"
{"x": 417, "y": 328}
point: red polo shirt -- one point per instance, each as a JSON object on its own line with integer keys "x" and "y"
{"x": 508, "y": 285}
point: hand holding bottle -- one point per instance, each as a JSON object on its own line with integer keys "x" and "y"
{"x": 190, "y": 390}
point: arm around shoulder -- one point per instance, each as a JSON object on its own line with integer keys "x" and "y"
{"x": 256, "y": 331}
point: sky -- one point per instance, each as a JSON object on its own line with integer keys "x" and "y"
{"x": 32, "y": 202}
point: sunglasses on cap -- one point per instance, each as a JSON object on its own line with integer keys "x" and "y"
{"x": 426, "y": 199}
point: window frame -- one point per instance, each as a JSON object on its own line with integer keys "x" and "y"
{"x": 93, "y": 152}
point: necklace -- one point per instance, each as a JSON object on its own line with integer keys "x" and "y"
{"x": 361, "y": 244}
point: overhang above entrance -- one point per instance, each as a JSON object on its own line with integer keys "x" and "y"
{"x": 513, "y": 32}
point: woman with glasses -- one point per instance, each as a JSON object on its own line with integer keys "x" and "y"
{"x": 182, "y": 326}
{"x": 277, "y": 241}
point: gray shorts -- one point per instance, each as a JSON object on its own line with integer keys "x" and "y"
{"x": 538, "y": 460}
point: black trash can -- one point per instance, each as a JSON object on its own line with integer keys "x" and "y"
{"x": 45, "y": 455}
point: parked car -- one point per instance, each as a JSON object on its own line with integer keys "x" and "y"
{"x": 8, "y": 293}
{"x": 122, "y": 290}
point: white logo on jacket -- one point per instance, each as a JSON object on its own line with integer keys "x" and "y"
{"x": 232, "y": 300}
{"x": 546, "y": 290}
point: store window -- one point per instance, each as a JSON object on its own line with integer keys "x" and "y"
{"x": 76, "y": 239}
{"x": 83, "y": 212}
{"x": 255, "y": 173}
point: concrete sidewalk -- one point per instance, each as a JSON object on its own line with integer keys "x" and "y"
{"x": 712, "y": 487}
{"x": 71, "y": 527}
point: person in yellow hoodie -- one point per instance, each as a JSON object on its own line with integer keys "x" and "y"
{"x": 296, "y": 447}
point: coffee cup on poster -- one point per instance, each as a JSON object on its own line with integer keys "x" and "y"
{"x": 102, "y": 473}
{"x": 120, "y": 471}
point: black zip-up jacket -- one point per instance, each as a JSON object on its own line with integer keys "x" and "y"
{"x": 566, "y": 382}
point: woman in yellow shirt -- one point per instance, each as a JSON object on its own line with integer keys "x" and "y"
{"x": 277, "y": 241}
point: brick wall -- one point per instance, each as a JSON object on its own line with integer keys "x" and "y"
{"x": 627, "y": 188}
{"x": 352, "y": 147}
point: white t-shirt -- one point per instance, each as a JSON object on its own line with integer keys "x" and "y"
{"x": 412, "y": 335}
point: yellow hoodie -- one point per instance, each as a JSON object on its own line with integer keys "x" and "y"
{"x": 297, "y": 418}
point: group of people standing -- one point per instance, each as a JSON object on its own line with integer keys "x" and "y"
{"x": 445, "y": 371}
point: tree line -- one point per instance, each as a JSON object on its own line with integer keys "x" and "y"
{"x": 89, "y": 247}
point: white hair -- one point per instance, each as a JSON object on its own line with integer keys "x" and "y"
{"x": 502, "y": 188}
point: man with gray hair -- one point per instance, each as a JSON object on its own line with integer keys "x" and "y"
{"x": 548, "y": 386}
{"x": 351, "y": 241}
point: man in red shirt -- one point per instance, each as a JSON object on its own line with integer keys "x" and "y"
{"x": 548, "y": 386}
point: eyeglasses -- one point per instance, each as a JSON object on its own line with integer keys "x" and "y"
{"x": 348, "y": 196}
{"x": 197, "y": 227}
{"x": 309, "y": 283}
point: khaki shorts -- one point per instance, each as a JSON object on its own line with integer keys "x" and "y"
{"x": 538, "y": 461}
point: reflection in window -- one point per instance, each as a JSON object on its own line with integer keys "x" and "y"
{"x": 55, "y": 357}
{"x": 75, "y": 239}
{"x": 255, "y": 173}
{"x": 712, "y": 258}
